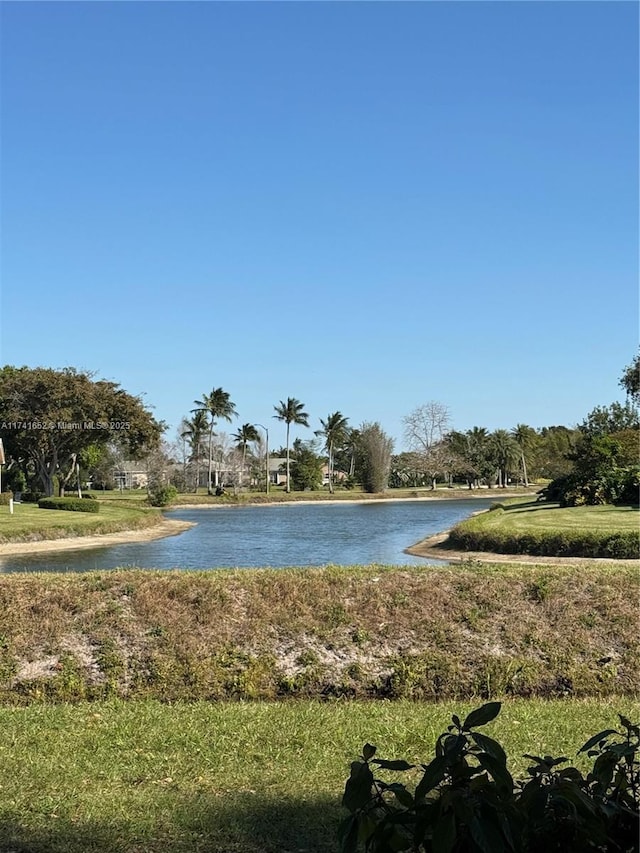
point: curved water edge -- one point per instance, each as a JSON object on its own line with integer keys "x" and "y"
{"x": 273, "y": 536}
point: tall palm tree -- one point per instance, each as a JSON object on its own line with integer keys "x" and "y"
{"x": 193, "y": 432}
{"x": 334, "y": 431}
{"x": 291, "y": 412}
{"x": 505, "y": 453}
{"x": 216, "y": 405}
{"x": 243, "y": 437}
{"x": 525, "y": 437}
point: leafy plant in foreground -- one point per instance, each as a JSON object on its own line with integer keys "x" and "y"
{"x": 467, "y": 802}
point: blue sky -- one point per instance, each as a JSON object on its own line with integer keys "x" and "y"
{"x": 366, "y": 206}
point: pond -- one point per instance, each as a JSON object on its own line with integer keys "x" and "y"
{"x": 273, "y": 535}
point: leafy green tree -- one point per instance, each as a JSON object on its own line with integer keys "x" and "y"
{"x": 334, "y": 431}
{"x": 460, "y": 461}
{"x": 194, "y": 431}
{"x": 217, "y": 405}
{"x": 291, "y": 412}
{"x": 373, "y": 460}
{"x": 243, "y": 438}
{"x": 406, "y": 471}
{"x": 49, "y": 417}
{"x": 630, "y": 380}
{"x": 605, "y": 420}
{"x": 603, "y": 473}
{"x": 551, "y": 455}
{"x": 306, "y": 466}
{"x": 480, "y": 455}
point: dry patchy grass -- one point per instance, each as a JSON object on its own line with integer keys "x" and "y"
{"x": 433, "y": 633}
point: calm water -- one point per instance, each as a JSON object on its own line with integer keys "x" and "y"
{"x": 273, "y": 535}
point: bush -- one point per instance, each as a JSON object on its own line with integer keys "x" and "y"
{"x": 5, "y": 497}
{"x": 31, "y": 497}
{"x": 466, "y": 801}
{"x": 162, "y": 495}
{"x": 70, "y": 504}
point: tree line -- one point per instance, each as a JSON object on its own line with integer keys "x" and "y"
{"x": 57, "y": 426}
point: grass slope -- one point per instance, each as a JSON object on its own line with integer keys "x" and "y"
{"x": 526, "y": 527}
{"x": 430, "y": 633}
{"x": 143, "y": 777}
{"x": 29, "y": 523}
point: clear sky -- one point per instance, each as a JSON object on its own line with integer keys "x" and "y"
{"x": 364, "y": 205}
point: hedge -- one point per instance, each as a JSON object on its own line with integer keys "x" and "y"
{"x": 70, "y": 504}
{"x": 470, "y": 535}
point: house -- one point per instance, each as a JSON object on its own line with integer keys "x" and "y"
{"x": 131, "y": 475}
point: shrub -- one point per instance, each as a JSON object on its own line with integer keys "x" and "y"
{"x": 466, "y": 801}
{"x": 162, "y": 495}
{"x": 5, "y": 497}
{"x": 31, "y": 497}
{"x": 471, "y": 535}
{"x": 70, "y": 504}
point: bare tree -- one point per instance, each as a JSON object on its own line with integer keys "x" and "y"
{"x": 424, "y": 431}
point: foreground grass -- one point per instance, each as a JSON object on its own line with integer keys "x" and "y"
{"x": 433, "y": 633}
{"x": 29, "y": 523}
{"x": 143, "y": 777}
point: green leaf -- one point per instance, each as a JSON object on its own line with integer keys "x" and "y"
{"x": 392, "y": 765}
{"x": 490, "y": 746}
{"x": 497, "y": 770}
{"x": 482, "y": 715}
{"x": 368, "y": 751}
{"x": 596, "y": 739}
{"x": 444, "y": 833}
{"x": 402, "y": 795}
{"x": 434, "y": 773}
{"x": 348, "y": 835}
{"x": 357, "y": 791}
{"x": 456, "y": 721}
{"x": 486, "y": 836}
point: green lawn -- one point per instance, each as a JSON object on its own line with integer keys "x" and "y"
{"x": 30, "y": 523}
{"x": 523, "y": 515}
{"x": 143, "y": 777}
{"x": 546, "y": 529}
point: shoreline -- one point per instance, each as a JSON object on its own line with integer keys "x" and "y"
{"x": 167, "y": 527}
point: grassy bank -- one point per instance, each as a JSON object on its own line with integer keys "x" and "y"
{"x": 279, "y": 495}
{"x": 29, "y": 523}
{"x": 229, "y": 778}
{"x": 429, "y": 633}
{"x": 544, "y": 529}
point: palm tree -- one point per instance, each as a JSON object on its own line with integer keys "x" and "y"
{"x": 193, "y": 432}
{"x": 246, "y": 434}
{"x": 291, "y": 412}
{"x": 216, "y": 405}
{"x": 525, "y": 437}
{"x": 334, "y": 430}
{"x": 505, "y": 453}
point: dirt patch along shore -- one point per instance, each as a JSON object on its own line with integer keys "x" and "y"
{"x": 167, "y": 527}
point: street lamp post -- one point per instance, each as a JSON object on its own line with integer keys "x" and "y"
{"x": 266, "y": 455}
